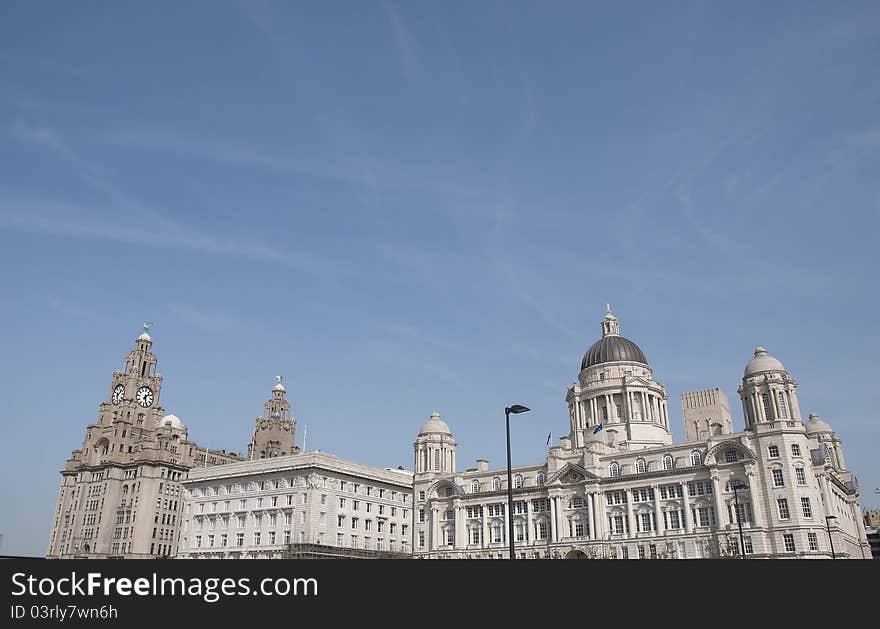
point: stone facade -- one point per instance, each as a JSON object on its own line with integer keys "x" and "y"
{"x": 120, "y": 493}
{"x": 617, "y": 485}
{"x": 255, "y": 509}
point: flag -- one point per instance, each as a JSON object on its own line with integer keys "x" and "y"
{"x": 597, "y": 429}
{"x": 548, "y": 438}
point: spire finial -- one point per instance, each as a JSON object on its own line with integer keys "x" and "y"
{"x": 147, "y": 326}
{"x": 607, "y": 309}
{"x": 279, "y": 379}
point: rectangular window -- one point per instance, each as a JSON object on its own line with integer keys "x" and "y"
{"x": 814, "y": 541}
{"x": 674, "y": 520}
{"x": 730, "y": 456}
{"x": 239, "y": 539}
{"x": 578, "y": 529}
{"x": 782, "y": 504}
{"x": 774, "y": 452}
{"x": 777, "y": 479}
{"x": 257, "y": 538}
{"x": 645, "y": 521}
{"x": 788, "y": 538}
{"x": 242, "y": 504}
{"x": 541, "y": 530}
{"x": 795, "y": 450}
{"x": 421, "y": 515}
{"x": 340, "y": 521}
{"x": 421, "y": 539}
{"x": 801, "y": 476}
{"x": 475, "y": 535}
{"x": 747, "y": 544}
{"x": 807, "y": 507}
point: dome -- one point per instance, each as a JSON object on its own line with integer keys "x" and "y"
{"x": 613, "y": 348}
{"x": 172, "y": 420}
{"x": 144, "y": 337}
{"x": 816, "y": 425}
{"x": 279, "y": 387}
{"x": 762, "y": 362}
{"x": 435, "y": 425}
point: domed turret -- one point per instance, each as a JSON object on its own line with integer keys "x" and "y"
{"x": 173, "y": 421}
{"x": 762, "y": 362}
{"x": 434, "y": 447}
{"x": 817, "y": 426}
{"x": 435, "y": 425}
{"x": 612, "y": 347}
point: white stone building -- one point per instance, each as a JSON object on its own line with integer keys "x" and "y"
{"x": 254, "y": 509}
{"x": 617, "y": 485}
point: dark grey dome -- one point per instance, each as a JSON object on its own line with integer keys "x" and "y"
{"x": 613, "y": 348}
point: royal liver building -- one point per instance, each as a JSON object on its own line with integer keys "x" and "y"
{"x": 618, "y": 487}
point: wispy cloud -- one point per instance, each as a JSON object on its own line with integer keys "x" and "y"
{"x": 405, "y": 43}
{"x": 204, "y": 319}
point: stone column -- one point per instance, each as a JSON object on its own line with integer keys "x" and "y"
{"x": 629, "y": 514}
{"x": 528, "y": 521}
{"x": 460, "y": 528}
{"x": 686, "y": 519}
{"x": 757, "y": 509}
{"x": 552, "y": 518}
{"x": 658, "y": 515}
{"x": 716, "y": 496}
{"x": 435, "y": 527}
{"x": 484, "y": 538}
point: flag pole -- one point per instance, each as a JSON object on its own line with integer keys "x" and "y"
{"x": 305, "y": 434}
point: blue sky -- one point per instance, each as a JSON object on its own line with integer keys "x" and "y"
{"x": 408, "y": 207}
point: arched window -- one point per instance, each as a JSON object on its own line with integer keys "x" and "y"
{"x": 696, "y": 458}
{"x": 517, "y": 481}
{"x": 475, "y": 487}
{"x": 540, "y": 478}
{"x": 640, "y": 466}
{"x": 496, "y": 484}
{"x": 667, "y": 462}
{"x": 614, "y": 469}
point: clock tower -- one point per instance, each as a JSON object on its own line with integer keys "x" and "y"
{"x": 120, "y": 493}
{"x": 274, "y": 431}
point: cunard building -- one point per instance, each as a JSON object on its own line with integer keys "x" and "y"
{"x": 120, "y": 493}
{"x": 618, "y": 487}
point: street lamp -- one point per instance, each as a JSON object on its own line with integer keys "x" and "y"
{"x": 742, "y": 545}
{"x": 828, "y": 519}
{"x": 515, "y": 409}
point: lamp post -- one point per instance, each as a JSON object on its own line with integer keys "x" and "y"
{"x": 828, "y": 519}
{"x": 516, "y": 408}
{"x": 742, "y": 545}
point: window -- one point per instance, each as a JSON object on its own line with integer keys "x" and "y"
{"x": 645, "y": 520}
{"x": 354, "y": 523}
{"x": 475, "y": 512}
{"x": 782, "y": 504}
{"x": 421, "y": 495}
{"x": 257, "y": 538}
{"x": 807, "y": 507}
{"x": 801, "y": 476}
{"x": 341, "y": 503}
{"x": 640, "y": 466}
{"x": 421, "y": 539}
{"x": 517, "y": 481}
{"x": 541, "y": 530}
{"x": 239, "y": 539}
{"x": 475, "y": 487}
{"x": 768, "y": 411}
{"x": 475, "y": 535}
{"x": 449, "y": 514}
{"x": 747, "y": 545}
{"x": 421, "y": 515}
{"x": 519, "y": 530}
{"x": 614, "y": 469}
{"x": 667, "y": 462}
{"x": 495, "y": 510}
{"x": 777, "y": 479}
{"x": 773, "y": 451}
{"x": 605, "y": 413}
{"x": 496, "y": 484}
{"x": 576, "y": 502}
{"x": 617, "y": 525}
{"x": 730, "y": 456}
{"x": 813, "y": 540}
{"x": 541, "y": 504}
{"x": 780, "y": 397}
{"x": 450, "y": 536}
{"x": 577, "y": 529}
{"x": 788, "y": 539}
{"x": 539, "y": 480}
{"x": 673, "y": 521}
{"x": 795, "y": 450}
{"x": 696, "y": 458}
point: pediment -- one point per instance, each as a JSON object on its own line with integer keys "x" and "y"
{"x": 570, "y": 474}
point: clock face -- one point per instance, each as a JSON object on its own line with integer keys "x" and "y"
{"x": 118, "y": 392}
{"x": 144, "y": 396}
